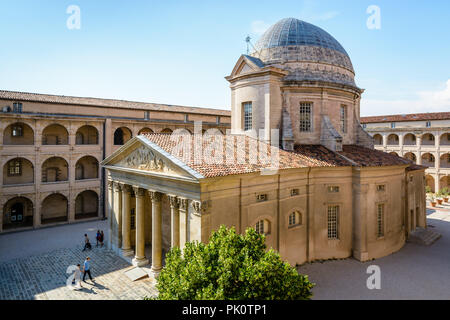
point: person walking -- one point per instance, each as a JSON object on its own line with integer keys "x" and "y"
{"x": 87, "y": 244}
{"x": 87, "y": 269}
{"x": 77, "y": 278}
{"x": 102, "y": 238}
{"x": 97, "y": 237}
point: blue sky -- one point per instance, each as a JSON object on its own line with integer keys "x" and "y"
{"x": 178, "y": 52}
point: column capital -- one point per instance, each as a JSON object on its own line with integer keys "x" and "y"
{"x": 110, "y": 184}
{"x": 173, "y": 200}
{"x": 197, "y": 205}
{"x": 125, "y": 187}
{"x": 138, "y": 191}
{"x": 117, "y": 186}
{"x": 183, "y": 203}
{"x": 155, "y": 196}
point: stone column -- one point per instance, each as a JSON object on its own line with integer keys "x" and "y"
{"x": 126, "y": 220}
{"x": 183, "y": 213}
{"x": 175, "y": 220}
{"x": 156, "y": 233}
{"x": 110, "y": 211}
{"x": 139, "y": 259}
{"x": 117, "y": 221}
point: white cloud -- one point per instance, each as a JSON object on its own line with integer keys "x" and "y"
{"x": 259, "y": 27}
{"x": 425, "y": 101}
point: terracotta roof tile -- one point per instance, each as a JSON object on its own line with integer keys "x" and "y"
{"x": 407, "y": 117}
{"x": 303, "y": 157}
{"x": 366, "y": 157}
{"x": 99, "y": 102}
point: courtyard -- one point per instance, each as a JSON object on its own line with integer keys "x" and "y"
{"x": 414, "y": 272}
{"x": 33, "y": 266}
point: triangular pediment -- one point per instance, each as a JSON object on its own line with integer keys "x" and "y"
{"x": 246, "y": 64}
{"x": 141, "y": 155}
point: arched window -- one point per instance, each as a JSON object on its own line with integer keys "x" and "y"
{"x": 295, "y": 218}
{"x": 262, "y": 226}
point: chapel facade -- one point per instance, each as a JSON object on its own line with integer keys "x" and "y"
{"x": 331, "y": 195}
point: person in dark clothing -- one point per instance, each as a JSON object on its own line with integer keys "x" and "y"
{"x": 87, "y": 244}
{"x": 102, "y": 238}
{"x": 97, "y": 237}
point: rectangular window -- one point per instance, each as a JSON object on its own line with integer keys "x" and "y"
{"x": 344, "y": 119}
{"x": 381, "y": 187}
{"x": 248, "y": 115}
{"x": 17, "y": 107}
{"x": 15, "y": 168}
{"x": 393, "y": 125}
{"x": 333, "y": 188}
{"x": 364, "y": 125}
{"x": 305, "y": 116}
{"x": 294, "y": 192}
{"x": 380, "y": 220}
{"x": 333, "y": 222}
{"x": 261, "y": 197}
{"x": 146, "y": 115}
{"x": 428, "y": 125}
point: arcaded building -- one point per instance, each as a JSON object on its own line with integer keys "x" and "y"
{"x": 423, "y": 138}
{"x": 330, "y": 194}
{"x": 51, "y": 147}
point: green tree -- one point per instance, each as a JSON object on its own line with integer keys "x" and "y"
{"x": 230, "y": 266}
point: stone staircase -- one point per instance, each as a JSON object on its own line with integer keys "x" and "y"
{"x": 423, "y": 236}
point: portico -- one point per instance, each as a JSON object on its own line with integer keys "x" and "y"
{"x": 149, "y": 205}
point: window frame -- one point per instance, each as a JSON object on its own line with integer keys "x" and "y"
{"x": 15, "y": 168}
{"x": 17, "y": 128}
{"x": 343, "y": 118}
{"x": 247, "y": 115}
{"x": 380, "y": 220}
{"x": 294, "y": 219}
{"x": 306, "y": 125}
{"x": 333, "y": 224}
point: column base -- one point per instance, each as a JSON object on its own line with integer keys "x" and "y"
{"x": 155, "y": 273}
{"x": 140, "y": 262}
{"x": 361, "y": 256}
{"x": 127, "y": 252}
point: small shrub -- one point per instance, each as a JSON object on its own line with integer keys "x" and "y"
{"x": 230, "y": 266}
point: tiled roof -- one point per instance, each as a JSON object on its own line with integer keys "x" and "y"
{"x": 99, "y": 102}
{"x": 414, "y": 167}
{"x": 366, "y": 157}
{"x": 407, "y": 117}
{"x": 303, "y": 157}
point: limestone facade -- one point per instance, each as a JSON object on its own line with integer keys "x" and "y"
{"x": 51, "y": 148}
{"x": 421, "y": 138}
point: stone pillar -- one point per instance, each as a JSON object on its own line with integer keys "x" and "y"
{"x": 117, "y": 221}
{"x": 156, "y": 233}
{"x": 175, "y": 219}
{"x": 183, "y": 213}
{"x": 37, "y": 213}
{"x": 126, "y": 220}
{"x": 110, "y": 212}
{"x": 419, "y": 140}
{"x": 437, "y": 183}
{"x": 385, "y": 141}
{"x": 139, "y": 259}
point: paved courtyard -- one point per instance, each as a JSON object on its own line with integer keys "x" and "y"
{"x": 415, "y": 272}
{"x": 33, "y": 265}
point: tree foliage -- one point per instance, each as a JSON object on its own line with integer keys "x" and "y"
{"x": 230, "y": 266}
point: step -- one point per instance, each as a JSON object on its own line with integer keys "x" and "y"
{"x": 423, "y": 236}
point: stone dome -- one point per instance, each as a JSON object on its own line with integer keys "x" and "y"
{"x": 293, "y": 40}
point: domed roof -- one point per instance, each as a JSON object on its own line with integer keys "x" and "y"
{"x": 312, "y": 44}
{"x": 291, "y": 32}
